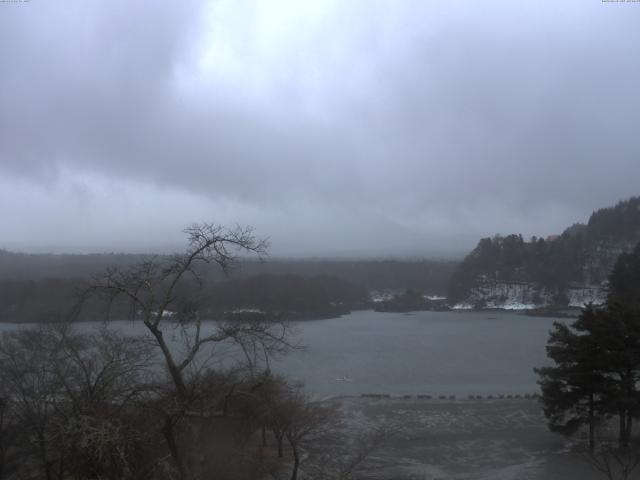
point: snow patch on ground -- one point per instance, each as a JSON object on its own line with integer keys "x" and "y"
{"x": 507, "y": 296}
{"x": 579, "y": 297}
{"x": 462, "y": 306}
{"x": 377, "y": 296}
{"x": 511, "y": 305}
{"x": 246, "y": 310}
{"x": 528, "y": 296}
{"x": 434, "y": 297}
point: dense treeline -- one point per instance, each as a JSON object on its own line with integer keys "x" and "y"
{"x": 293, "y": 296}
{"x": 430, "y": 276}
{"x": 42, "y": 300}
{"x": 621, "y": 222}
{"x": 40, "y": 288}
{"x": 581, "y": 254}
{"x": 38, "y": 266}
{"x": 553, "y": 264}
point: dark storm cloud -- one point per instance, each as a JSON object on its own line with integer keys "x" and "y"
{"x": 334, "y": 127}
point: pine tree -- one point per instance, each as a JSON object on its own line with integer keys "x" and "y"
{"x": 613, "y": 337}
{"x": 574, "y": 391}
{"x": 597, "y": 360}
{"x": 620, "y": 336}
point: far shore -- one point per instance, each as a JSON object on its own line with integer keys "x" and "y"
{"x": 547, "y": 312}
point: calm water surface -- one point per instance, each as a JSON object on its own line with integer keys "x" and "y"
{"x": 457, "y": 353}
{"x": 433, "y": 353}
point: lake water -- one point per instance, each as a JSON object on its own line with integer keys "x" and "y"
{"x": 458, "y": 353}
{"x": 451, "y": 353}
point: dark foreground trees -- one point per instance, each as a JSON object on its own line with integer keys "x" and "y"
{"x": 90, "y": 404}
{"x": 66, "y": 404}
{"x": 189, "y": 399}
{"x": 106, "y": 405}
{"x": 310, "y": 434}
{"x": 164, "y": 294}
{"x": 597, "y": 361}
{"x": 573, "y": 391}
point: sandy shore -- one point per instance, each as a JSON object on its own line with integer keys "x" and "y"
{"x": 463, "y": 439}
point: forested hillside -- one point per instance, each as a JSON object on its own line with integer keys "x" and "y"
{"x": 44, "y": 287}
{"x": 35, "y": 288}
{"x": 290, "y": 295}
{"x": 547, "y": 271}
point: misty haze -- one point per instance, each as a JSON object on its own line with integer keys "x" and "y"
{"x": 319, "y": 240}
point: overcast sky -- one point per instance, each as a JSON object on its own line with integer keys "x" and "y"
{"x": 335, "y": 127}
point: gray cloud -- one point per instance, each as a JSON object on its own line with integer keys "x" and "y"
{"x": 333, "y": 127}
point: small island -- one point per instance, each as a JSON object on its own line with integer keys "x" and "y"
{"x": 411, "y": 301}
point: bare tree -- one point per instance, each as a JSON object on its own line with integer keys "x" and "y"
{"x": 30, "y": 383}
{"x": 103, "y": 367}
{"x": 313, "y": 431}
{"x": 614, "y": 463}
{"x": 306, "y": 420}
{"x": 356, "y": 452}
{"x": 3, "y": 431}
{"x": 292, "y": 416}
{"x": 103, "y": 377}
{"x": 272, "y": 407}
{"x": 338, "y": 455}
{"x": 66, "y": 395}
{"x": 163, "y": 292}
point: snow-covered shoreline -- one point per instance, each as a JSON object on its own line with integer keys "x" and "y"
{"x": 522, "y": 296}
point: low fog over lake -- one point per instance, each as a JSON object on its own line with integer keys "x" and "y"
{"x": 319, "y": 239}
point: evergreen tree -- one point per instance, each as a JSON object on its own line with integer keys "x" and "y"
{"x": 574, "y": 390}
{"x": 620, "y": 337}
{"x": 597, "y": 360}
{"x": 613, "y": 352}
{"x": 624, "y": 282}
